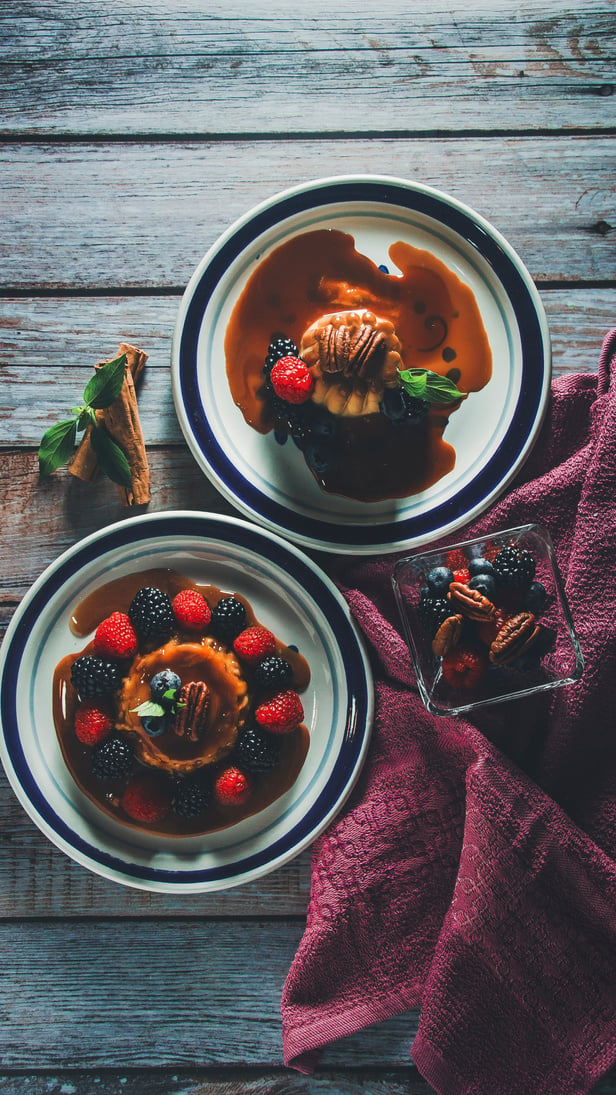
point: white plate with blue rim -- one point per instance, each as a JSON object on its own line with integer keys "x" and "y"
{"x": 290, "y": 595}
{"x": 492, "y": 433}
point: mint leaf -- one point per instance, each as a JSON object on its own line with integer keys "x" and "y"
{"x": 424, "y": 384}
{"x": 149, "y": 709}
{"x": 414, "y": 382}
{"x": 57, "y": 444}
{"x": 111, "y": 459}
{"x": 106, "y": 384}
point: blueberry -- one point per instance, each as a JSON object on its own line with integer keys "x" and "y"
{"x": 162, "y": 682}
{"x": 324, "y": 424}
{"x": 439, "y": 580}
{"x": 320, "y": 455}
{"x": 480, "y": 566}
{"x": 393, "y": 404}
{"x": 154, "y": 725}
{"x": 485, "y": 583}
{"x": 535, "y": 598}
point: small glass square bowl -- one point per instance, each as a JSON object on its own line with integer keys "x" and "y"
{"x": 553, "y": 660}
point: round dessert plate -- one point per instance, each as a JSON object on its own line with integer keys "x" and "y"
{"x": 492, "y": 433}
{"x": 290, "y": 595}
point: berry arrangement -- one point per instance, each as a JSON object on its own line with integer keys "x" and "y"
{"x": 179, "y": 708}
{"x": 481, "y": 613}
{"x": 287, "y": 388}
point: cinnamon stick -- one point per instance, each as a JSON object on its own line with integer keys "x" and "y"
{"x": 121, "y": 420}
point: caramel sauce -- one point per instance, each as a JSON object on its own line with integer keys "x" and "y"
{"x": 267, "y": 786}
{"x": 435, "y": 316}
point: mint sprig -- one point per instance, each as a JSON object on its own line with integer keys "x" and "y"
{"x": 151, "y": 709}
{"x": 433, "y": 388}
{"x": 57, "y": 443}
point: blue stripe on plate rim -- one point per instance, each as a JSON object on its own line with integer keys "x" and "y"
{"x": 533, "y": 336}
{"x": 358, "y": 721}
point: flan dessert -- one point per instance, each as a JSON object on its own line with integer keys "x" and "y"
{"x": 361, "y": 367}
{"x": 182, "y": 714}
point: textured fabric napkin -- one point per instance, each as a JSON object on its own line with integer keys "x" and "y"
{"x": 472, "y": 873}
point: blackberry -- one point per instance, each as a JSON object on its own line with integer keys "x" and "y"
{"x": 280, "y": 346}
{"x": 94, "y": 676}
{"x": 273, "y": 672}
{"x": 151, "y": 614}
{"x": 416, "y": 409}
{"x": 432, "y": 612}
{"x": 192, "y": 797}
{"x": 297, "y": 418}
{"x": 257, "y": 750}
{"x": 112, "y": 758}
{"x": 228, "y": 619}
{"x": 514, "y": 568}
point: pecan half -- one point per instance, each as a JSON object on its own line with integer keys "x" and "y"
{"x": 448, "y": 635}
{"x": 358, "y": 354}
{"x": 470, "y": 602}
{"x": 516, "y": 635}
{"x": 190, "y": 719}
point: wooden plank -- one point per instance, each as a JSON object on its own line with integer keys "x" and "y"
{"x": 175, "y": 68}
{"x": 89, "y": 217}
{"x": 47, "y": 517}
{"x": 49, "y": 346}
{"x": 370, "y": 1081}
{"x": 149, "y": 993}
{"x": 38, "y": 880}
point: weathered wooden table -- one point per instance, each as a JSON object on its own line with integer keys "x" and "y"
{"x": 133, "y": 133}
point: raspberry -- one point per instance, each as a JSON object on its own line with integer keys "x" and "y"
{"x": 292, "y": 380}
{"x": 147, "y": 798}
{"x": 151, "y": 614}
{"x": 257, "y": 750}
{"x": 191, "y": 610}
{"x": 115, "y": 637}
{"x": 228, "y": 619}
{"x": 254, "y": 643}
{"x": 273, "y": 672}
{"x": 462, "y": 575}
{"x": 282, "y": 713}
{"x": 456, "y": 559}
{"x": 232, "y": 787}
{"x": 94, "y": 676}
{"x": 112, "y": 758}
{"x": 464, "y": 666}
{"x": 93, "y": 721}
{"x": 192, "y": 797}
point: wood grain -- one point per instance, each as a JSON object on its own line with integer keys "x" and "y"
{"x": 159, "y": 993}
{"x": 370, "y": 1081}
{"x": 175, "y": 68}
{"x": 86, "y": 217}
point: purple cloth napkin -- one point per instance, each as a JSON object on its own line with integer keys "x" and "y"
{"x": 472, "y": 873}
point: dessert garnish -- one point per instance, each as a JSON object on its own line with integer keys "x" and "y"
{"x": 183, "y": 713}
{"x": 112, "y": 439}
{"x": 487, "y": 621}
{"x": 367, "y": 368}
